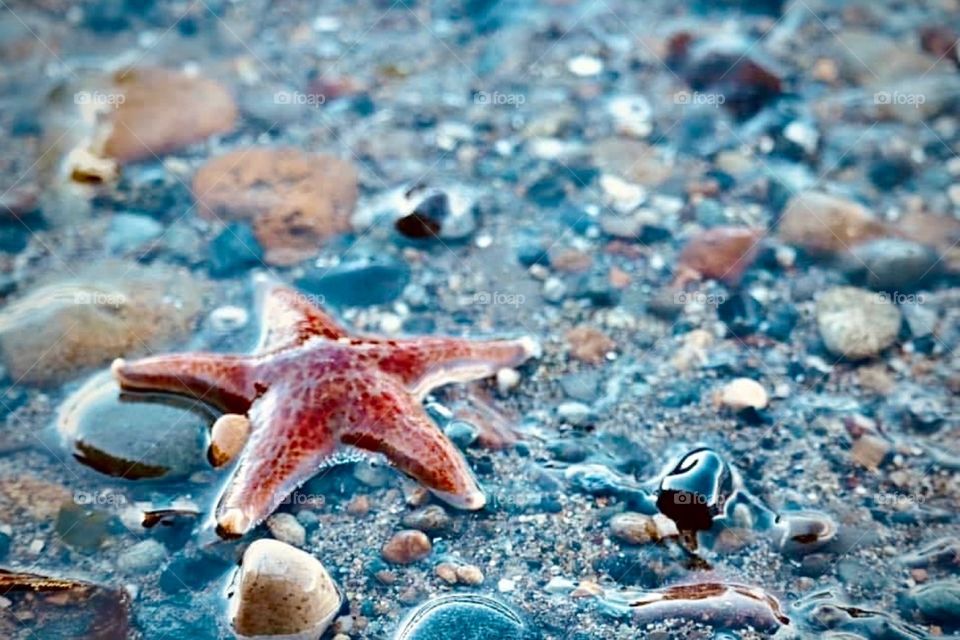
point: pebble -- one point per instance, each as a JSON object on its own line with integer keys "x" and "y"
{"x": 162, "y": 112}
{"x": 824, "y": 224}
{"x": 465, "y": 617}
{"x": 461, "y": 433}
{"x": 104, "y": 311}
{"x": 294, "y": 200}
{"x": 893, "y": 264}
{"x": 133, "y": 438}
{"x": 234, "y": 250}
{"x": 406, "y": 547}
{"x": 744, "y": 393}
{"x": 286, "y": 528}
{"x": 432, "y": 519}
{"x": 856, "y": 323}
{"x": 870, "y": 451}
{"x": 507, "y": 380}
{"x": 634, "y": 528}
{"x": 280, "y": 590}
{"x": 589, "y": 344}
{"x": 143, "y": 556}
{"x": 575, "y": 413}
{"x": 361, "y": 282}
{"x": 721, "y": 253}
{"x": 585, "y": 66}
{"x": 128, "y": 231}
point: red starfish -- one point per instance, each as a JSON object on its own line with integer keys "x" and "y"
{"x": 311, "y": 391}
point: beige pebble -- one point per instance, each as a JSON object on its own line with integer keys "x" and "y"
{"x": 406, "y": 547}
{"x": 470, "y": 574}
{"x": 744, "y": 393}
{"x": 447, "y": 572}
{"x": 285, "y": 528}
{"x": 282, "y": 590}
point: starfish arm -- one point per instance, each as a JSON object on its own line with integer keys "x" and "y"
{"x": 290, "y": 319}
{"x": 393, "y": 423}
{"x": 424, "y": 364}
{"x": 289, "y": 442}
{"x": 221, "y": 380}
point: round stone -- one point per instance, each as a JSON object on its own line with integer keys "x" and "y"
{"x": 463, "y": 616}
{"x": 134, "y": 436}
{"x": 406, "y": 547}
{"x": 744, "y": 393}
{"x": 856, "y": 323}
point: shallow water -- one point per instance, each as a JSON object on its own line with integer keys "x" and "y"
{"x": 667, "y": 197}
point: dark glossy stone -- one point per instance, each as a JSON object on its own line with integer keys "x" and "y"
{"x": 465, "y": 617}
{"x": 548, "y": 191}
{"x": 427, "y": 218}
{"x": 742, "y": 313}
{"x": 234, "y": 250}
{"x": 358, "y": 282}
{"x": 694, "y": 493}
{"x": 887, "y": 173}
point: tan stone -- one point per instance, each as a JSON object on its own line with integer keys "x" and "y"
{"x": 825, "y": 224}
{"x": 163, "y": 111}
{"x": 589, "y": 344}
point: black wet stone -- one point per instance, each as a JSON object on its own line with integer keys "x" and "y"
{"x": 887, "y": 173}
{"x": 695, "y": 491}
{"x": 741, "y": 313}
{"x": 106, "y": 16}
{"x": 780, "y": 322}
{"x": 234, "y": 250}
{"x": 464, "y": 616}
{"x": 548, "y": 190}
{"x": 357, "y": 282}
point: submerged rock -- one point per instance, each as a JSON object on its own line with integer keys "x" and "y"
{"x": 295, "y": 200}
{"x": 282, "y": 591}
{"x": 406, "y": 547}
{"x": 134, "y": 436}
{"x": 856, "y": 323}
{"x": 466, "y": 617}
{"x": 824, "y": 224}
{"x": 106, "y": 311}
{"x": 357, "y": 282}
{"x": 448, "y": 213}
{"x": 892, "y": 264}
{"x": 163, "y": 111}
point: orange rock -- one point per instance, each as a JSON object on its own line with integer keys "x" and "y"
{"x": 722, "y": 253}
{"x": 940, "y": 233}
{"x": 163, "y": 111}
{"x": 294, "y": 199}
{"x": 589, "y": 344}
{"x": 824, "y": 224}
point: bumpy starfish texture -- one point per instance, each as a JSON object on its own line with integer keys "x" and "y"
{"x": 311, "y": 392}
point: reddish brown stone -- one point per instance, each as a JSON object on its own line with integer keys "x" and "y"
{"x": 722, "y": 253}
{"x": 295, "y": 200}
